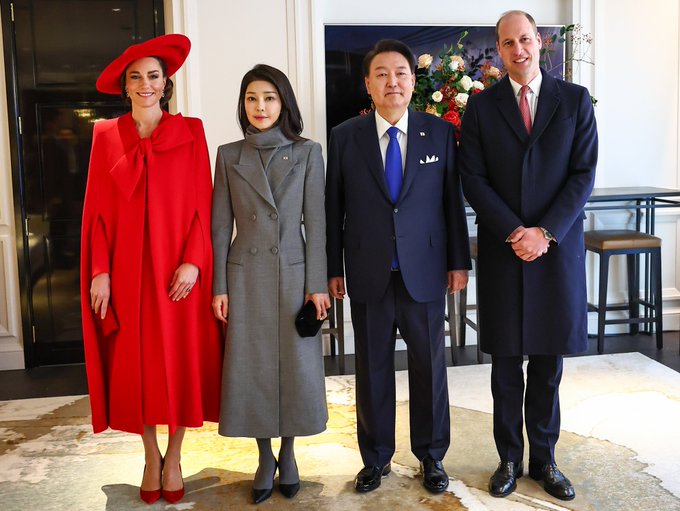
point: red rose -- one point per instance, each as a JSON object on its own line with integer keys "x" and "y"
{"x": 452, "y": 117}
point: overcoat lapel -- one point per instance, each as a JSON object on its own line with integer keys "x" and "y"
{"x": 250, "y": 168}
{"x": 507, "y": 104}
{"x": 548, "y": 101}
{"x": 280, "y": 165}
{"x": 369, "y": 148}
{"x": 415, "y": 128}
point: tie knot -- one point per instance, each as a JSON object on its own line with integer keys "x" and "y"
{"x": 524, "y": 90}
{"x": 392, "y": 131}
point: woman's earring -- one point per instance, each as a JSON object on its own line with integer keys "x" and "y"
{"x": 163, "y": 94}
{"x": 127, "y": 94}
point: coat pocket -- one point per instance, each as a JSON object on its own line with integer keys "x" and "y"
{"x": 235, "y": 259}
{"x": 295, "y": 258}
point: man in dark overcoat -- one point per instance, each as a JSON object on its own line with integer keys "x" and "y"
{"x": 395, "y": 215}
{"x": 527, "y": 164}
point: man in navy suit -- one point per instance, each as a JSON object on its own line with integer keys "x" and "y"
{"x": 395, "y": 210}
{"x": 528, "y": 153}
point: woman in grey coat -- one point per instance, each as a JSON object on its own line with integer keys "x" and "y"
{"x": 273, "y": 379}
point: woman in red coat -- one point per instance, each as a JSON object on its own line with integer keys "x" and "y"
{"x": 153, "y": 349}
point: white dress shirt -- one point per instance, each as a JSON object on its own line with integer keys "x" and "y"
{"x": 532, "y": 93}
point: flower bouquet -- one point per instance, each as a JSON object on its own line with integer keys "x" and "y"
{"x": 443, "y": 89}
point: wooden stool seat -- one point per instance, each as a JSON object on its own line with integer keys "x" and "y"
{"x": 619, "y": 239}
{"x": 632, "y": 244}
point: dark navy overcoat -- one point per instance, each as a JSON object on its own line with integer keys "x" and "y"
{"x": 511, "y": 178}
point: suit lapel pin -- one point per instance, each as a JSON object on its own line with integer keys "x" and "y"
{"x": 422, "y": 133}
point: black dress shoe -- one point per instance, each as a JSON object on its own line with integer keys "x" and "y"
{"x": 554, "y": 482}
{"x": 435, "y": 478}
{"x": 260, "y": 495}
{"x": 369, "y": 478}
{"x": 504, "y": 480}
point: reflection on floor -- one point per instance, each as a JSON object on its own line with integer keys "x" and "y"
{"x": 618, "y": 446}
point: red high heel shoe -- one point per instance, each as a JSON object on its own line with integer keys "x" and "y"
{"x": 150, "y": 496}
{"x": 174, "y": 496}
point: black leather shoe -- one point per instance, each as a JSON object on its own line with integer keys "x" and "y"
{"x": 504, "y": 480}
{"x": 260, "y": 495}
{"x": 435, "y": 478}
{"x": 369, "y": 478}
{"x": 554, "y": 482}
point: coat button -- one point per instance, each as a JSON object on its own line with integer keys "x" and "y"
{"x": 393, "y": 238}
{"x": 253, "y": 251}
{"x": 275, "y": 250}
{"x": 253, "y": 217}
{"x": 396, "y": 210}
{"x": 274, "y": 216}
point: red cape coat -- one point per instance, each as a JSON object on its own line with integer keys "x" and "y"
{"x": 147, "y": 210}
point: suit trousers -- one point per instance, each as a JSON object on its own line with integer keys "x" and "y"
{"x": 422, "y": 328}
{"x": 541, "y": 404}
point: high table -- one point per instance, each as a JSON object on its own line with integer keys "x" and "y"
{"x": 643, "y": 199}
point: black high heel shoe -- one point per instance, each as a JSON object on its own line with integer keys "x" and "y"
{"x": 289, "y": 490}
{"x": 262, "y": 495}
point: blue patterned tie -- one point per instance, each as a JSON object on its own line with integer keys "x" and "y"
{"x": 393, "y": 174}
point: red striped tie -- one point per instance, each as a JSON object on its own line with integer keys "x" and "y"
{"x": 524, "y": 107}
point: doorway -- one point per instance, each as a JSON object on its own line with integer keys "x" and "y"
{"x": 54, "y": 52}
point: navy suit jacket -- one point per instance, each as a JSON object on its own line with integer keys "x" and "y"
{"x": 512, "y": 178}
{"x": 427, "y": 223}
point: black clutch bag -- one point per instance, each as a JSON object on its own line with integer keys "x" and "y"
{"x": 305, "y": 322}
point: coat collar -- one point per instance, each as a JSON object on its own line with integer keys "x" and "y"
{"x": 251, "y": 169}
{"x": 171, "y": 132}
{"x": 366, "y": 137}
{"x": 548, "y": 101}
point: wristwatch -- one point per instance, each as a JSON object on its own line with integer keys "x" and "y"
{"x": 548, "y": 235}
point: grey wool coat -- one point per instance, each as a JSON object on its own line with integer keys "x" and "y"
{"x": 273, "y": 379}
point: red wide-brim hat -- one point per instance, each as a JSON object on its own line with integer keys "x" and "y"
{"x": 172, "y": 49}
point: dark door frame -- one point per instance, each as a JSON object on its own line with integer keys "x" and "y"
{"x": 15, "y": 144}
{"x": 17, "y": 164}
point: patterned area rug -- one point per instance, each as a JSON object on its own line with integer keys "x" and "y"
{"x": 619, "y": 446}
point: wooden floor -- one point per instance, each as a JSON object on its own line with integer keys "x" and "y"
{"x": 70, "y": 380}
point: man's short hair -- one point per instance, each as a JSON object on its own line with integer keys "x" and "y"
{"x": 521, "y": 13}
{"x": 385, "y": 45}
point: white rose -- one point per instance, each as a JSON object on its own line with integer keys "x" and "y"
{"x": 494, "y": 72}
{"x": 461, "y": 99}
{"x": 478, "y": 85}
{"x": 465, "y": 82}
{"x": 424, "y": 61}
{"x": 454, "y": 65}
{"x": 437, "y": 96}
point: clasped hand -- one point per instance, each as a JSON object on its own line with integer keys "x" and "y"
{"x": 529, "y": 244}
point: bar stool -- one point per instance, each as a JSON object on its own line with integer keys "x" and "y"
{"x": 464, "y": 321}
{"x": 336, "y": 330}
{"x": 607, "y": 243}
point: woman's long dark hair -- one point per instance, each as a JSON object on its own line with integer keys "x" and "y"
{"x": 290, "y": 120}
